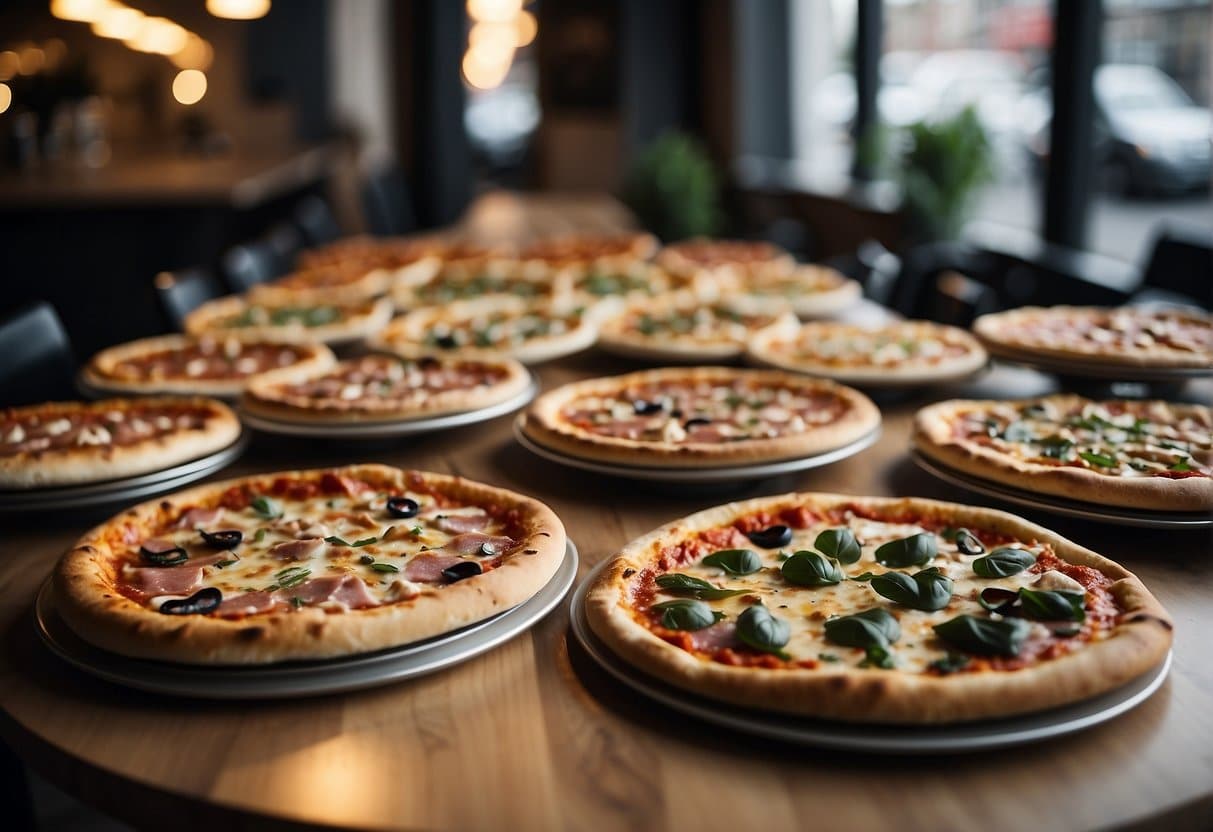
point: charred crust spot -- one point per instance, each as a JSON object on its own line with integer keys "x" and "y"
{"x": 251, "y": 633}
{"x": 178, "y": 632}
{"x": 315, "y": 629}
{"x": 544, "y": 534}
{"x": 530, "y": 551}
{"x": 165, "y": 505}
{"x": 1143, "y": 616}
{"x": 837, "y": 683}
{"x": 87, "y": 549}
{"x": 629, "y": 572}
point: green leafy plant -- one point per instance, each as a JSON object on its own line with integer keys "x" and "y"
{"x": 947, "y": 161}
{"x": 673, "y": 188}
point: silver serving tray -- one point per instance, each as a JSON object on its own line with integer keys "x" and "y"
{"x": 1110, "y": 371}
{"x": 697, "y": 476}
{"x": 295, "y": 679}
{"x": 880, "y": 739}
{"x": 127, "y": 489}
{"x": 388, "y": 430}
{"x": 1060, "y": 505}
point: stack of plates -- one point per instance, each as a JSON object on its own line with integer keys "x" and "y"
{"x": 294, "y": 679}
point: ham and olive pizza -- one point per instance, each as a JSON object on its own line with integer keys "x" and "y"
{"x": 1137, "y": 454}
{"x": 313, "y": 321}
{"x": 71, "y": 443}
{"x": 382, "y": 387}
{"x": 211, "y": 365}
{"x": 685, "y": 330}
{"x": 876, "y": 610}
{"x": 305, "y": 565}
{"x": 1131, "y": 336}
{"x": 699, "y": 417}
{"x": 903, "y": 353}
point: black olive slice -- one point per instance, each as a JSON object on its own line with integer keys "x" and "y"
{"x": 428, "y": 362}
{"x": 447, "y": 342}
{"x": 968, "y": 544}
{"x": 646, "y": 408}
{"x": 696, "y": 422}
{"x": 999, "y": 600}
{"x": 225, "y": 539}
{"x": 200, "y": 603}
{"x": 772, "y": 537}
{"x": 163, "y": 553}
{"x": 461, "y": 570}
{"x": 402, "y": 507}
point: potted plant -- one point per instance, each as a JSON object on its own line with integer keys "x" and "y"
{"x": 946, "y": 161}
{"x": 673, "y": 189}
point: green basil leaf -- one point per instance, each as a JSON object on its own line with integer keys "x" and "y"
{"x": 839, "y": 544}
{"x": 266, "y": 508}
{"x": 366, "y": 541}
{"x": 1181, "y": 466}
{"x": 866, "y": 576}
{"x": 876, "y": 656}
{"x": 915, "y": 550}
{"x": 686, "y": 614}
{"x": 951, "y": 663}
{"x": 984, "y": 636}
{"x": 676, "y": 583}
{"x": 757, "y": 628}
{"x": 735, "y": 561}
{"x": 967, "y": 543}
{"x": 1052, "y": 605}
{"x": 870, "y": 628}
{"x": 928, "y": 590}
{"x": 336, "y": 541}
{"x": 1003, "y": 562}
{"x": 806, "y": 568}
{"x": 385, "y": 567}
{"x": 1056, "y": 447}
{"x": 828, "y": 657}
{"x": 1099, "y": 460}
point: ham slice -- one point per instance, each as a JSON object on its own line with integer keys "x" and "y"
{"x": 247, "y": 604}
{"x": 343, "y": 589}
{"x": 461, "y": 523}
{"x": 717, "y": 637}
{"x": 706, "y": 433}
{"x": 169, "y": 580}
{"x": 200, "y": 518}
{"x": 470, "y": 543}
{"x": 296, "y": 549}
{"x": 428, "y": 568}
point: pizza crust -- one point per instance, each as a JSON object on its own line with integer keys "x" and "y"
{"x": 934, "y": 437}
{"x": 812, "y": 291}
{"x": 100, "y": 374}
{"x": 359, "y": 321}
{"x": 85, "y": 595}
{"x": 1136, "y": 645}
{"x": 97, "y": 463}
{"x": 544, "y": 423}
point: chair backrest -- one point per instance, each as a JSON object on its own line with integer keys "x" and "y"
{"x": 246, "y": 265}
{"x": 387, "y": 203}
{"x": 180, "y": 293}
{"x": 284, "y": 242}
{"x": 1181, "y": 262}
{"x": 315, "y": 218}
{"x": 38, "y": 363}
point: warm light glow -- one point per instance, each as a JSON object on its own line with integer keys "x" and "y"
{"x": 197, "y": 54}
{"x": 56, "y": 51}
{"x": 525, "y": 28}
{"x": 189, "y": 86}
{"x": 32, "y": 59}
{"x": 158, "y": 35}
{"x": 84, "y": 11}
{"x": 238, "y": 9}
{"x": 496, "y": 39}
{"x": 6, "y": 97}
{"x": 10, "y": 64}
{"x": 119, "y": 22}
{"x": 485, "y": 69}
{"x": 494, "y": 11}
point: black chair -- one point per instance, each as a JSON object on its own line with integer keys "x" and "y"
{"x": 180, "y": 293}
{"x": 38, "y": 363}
{"x": 1179, "y": 269}
{"x": 315, "y": 219}
{"x": 387, "y": 203}
{"x": 244, "y": 266}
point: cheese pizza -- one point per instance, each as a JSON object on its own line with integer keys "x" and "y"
{"x": 684, "y": 329}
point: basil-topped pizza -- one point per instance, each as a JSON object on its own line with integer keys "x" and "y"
{"x": 875, "y": 610}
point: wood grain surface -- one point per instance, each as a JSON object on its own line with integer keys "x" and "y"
{"x": 534, "y": 736}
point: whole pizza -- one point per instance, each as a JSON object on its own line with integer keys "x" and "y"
{"x": 685, "y": 329}
{"x": 1132, "y": 453}
{"x": 305, "y": 565}
{"x": 876, "y": 610}
{"x": 1156, "y": 338}
{"x": 382, "y": 387}
{"x": 70, "y": 443}
{"x": 490, "y": 280}
{"x": 324, "y": 321}
{"x": 368, "y": 254}
{"x": 902, "y": 353}
{"x": 347, "y": 282}
{"x": 528, "y": 331}
{"x": 699, "y": 417}
{"x": 727, "y": 259}
{"x": 211, "y": 365}
{"x": 812, "y": 291}
{"x": 604, "y": 250}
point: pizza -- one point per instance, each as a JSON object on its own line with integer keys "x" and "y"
{"x": 685, "y": 329}
{"x": 637, "y": 281}
{"x": 699, "y": 417}
{"x": 346, "y": 282}
{"x": 71, "y": 443}
{"x": 875, "y": 610}
{"x": 369, "y": 253}
{"x": 1132, "y": 453}
{"x": 305, "y": 565}
{"x": 902, "y": 353}
{"x": 319, "y": 321}
{"x": 383, "y": 387}
{"x": 727, "y": 259}
{"x": 1156, "y": 338}
{"x": 608, "y": 251}
{"x": 209, "y": 365}
{"x": 812, "y": 291}
{"x": 530, "y": 332}
{"x": 487, "y": 280}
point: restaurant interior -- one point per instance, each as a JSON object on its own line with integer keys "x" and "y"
{"x": 435, "y": 235}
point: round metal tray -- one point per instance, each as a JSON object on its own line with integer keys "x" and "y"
{"x": 388, "y": 430}
{"x": 697, "y": 476}
{"x": 1060, "y": 505}
{"x": 126, "y": 489}
{"x": 1109, "y": 372}
{"x": 295, "y": 679}
{"x": 882, "y": 739}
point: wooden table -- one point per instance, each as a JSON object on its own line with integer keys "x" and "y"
{"x": 533, "y": 735}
